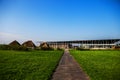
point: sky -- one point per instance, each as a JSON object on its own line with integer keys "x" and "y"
{"x": 58, "y": 20}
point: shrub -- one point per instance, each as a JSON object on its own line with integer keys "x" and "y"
{"x": 5, "y": 47}
{"x": 59, "y": 49}
{"x": 82, "y": 49}
{"x": 9, "y": 47}
{"x": 23, "y": 48}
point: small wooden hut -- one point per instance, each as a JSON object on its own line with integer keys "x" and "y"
{"x": 29, "y": 44}
{"x": 14, "y": 43}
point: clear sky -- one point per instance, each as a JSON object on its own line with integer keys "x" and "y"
{"x": 47, "y": 20}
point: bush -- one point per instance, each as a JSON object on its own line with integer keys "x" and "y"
{"x": 9, "y": 47}
{"x": 5, "y": 47}
{"x": 59, "y": 49}
{"x": 82, "y": 49}
{"x": 47, "y": 48}
{"x": 23, "y": 48}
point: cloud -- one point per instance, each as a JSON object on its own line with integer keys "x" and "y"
{"x": 6, "y": 38}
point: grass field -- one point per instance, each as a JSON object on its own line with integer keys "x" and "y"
{"x": 99, "y": 65}
{"x": 32, "y": 65}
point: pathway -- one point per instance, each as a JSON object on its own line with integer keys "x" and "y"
{"x": 69, "y": 69}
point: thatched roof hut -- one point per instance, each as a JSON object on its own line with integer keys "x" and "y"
{"x": 45, "y": 46}
{"x": 29, "y": 44}
{"x": 14, "y": 43}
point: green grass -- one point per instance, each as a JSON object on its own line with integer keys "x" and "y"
{"x": 99, "y": 65}
{"x": 33, "y": 65}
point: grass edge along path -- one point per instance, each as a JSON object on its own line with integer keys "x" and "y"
{"x": 69, "y": 69}
{"x": 32, "y": 65}
{"x": 99, "y": 65}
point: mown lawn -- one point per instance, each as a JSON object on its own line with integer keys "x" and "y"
{"x": 32, "y": 65}
{"x": 99, "y": 65}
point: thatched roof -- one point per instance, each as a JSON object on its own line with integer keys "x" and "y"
{"x": 14, "y": 43}
{"x": 44, "y": 44}
{"x": 28, "y": 44}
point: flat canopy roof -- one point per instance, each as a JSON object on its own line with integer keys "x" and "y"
{"x": 101, "y": 41}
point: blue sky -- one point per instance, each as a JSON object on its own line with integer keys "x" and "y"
{"x": 47, "y": 20}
